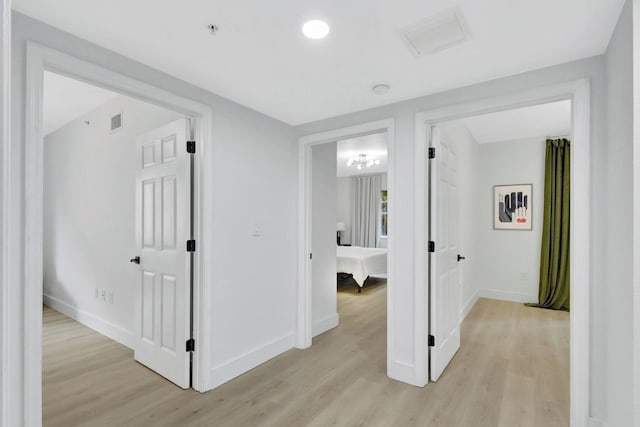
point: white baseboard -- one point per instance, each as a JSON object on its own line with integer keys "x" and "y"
{"x": 116, "y": 333}
{"x": 594, "y": 422}
{"x": 507, "y": 296}
{"x": 497, "y": 295}
{"x": 323, "y": 325}
{"x": 466, "y": 308}
{"x": 229, "y": 370}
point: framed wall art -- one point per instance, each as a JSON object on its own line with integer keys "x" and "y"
{"x": 512, "y": 207}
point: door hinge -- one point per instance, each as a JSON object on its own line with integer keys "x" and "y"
{"x": 191, "y": 147}
{"x": 431, "y": 246}
{"x": 191, "y": 245}
{"x": 191, "y": 345}
{"x": 432, "y": 341}
{"x": 310, "y": 256}
{"x": 432, "y": 152}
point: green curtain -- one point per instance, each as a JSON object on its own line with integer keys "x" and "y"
{"x": 554, "y": 255}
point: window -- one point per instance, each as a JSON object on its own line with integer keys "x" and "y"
{"x": 383, "y": 213}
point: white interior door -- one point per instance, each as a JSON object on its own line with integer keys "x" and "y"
{"x": 163, "y": 226}
{"x": 444, "y": 277}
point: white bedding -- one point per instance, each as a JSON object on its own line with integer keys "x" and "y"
{"x": 361, "y": 262}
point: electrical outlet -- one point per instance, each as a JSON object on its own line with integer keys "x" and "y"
{"x": 524, "y": 277}
{"x": 104, "y": 295}
{"x": 110, "y": 297}
{"x": 97, "y": 294}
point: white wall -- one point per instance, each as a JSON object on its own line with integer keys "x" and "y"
{"x": 499, "y": 264}
{"x": 255, "y": 182}
{"x": 508, "y": 261}
{"x": 619, "y": 255}
{"x": 403, "y": 350}
{"x": 323, "y": 237}
{"x": 89, "y": 212}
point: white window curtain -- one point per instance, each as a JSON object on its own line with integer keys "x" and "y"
{"x": 365, "y": 210}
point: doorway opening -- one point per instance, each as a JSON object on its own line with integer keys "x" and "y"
{"x": 343, "y": 203}
{"x": 487, "y": 204}
{"x": 40, "y": 60}
{"x": 349, "y": 229}
{"x": 117, "y": 211}
{"x": 572, "y": 353}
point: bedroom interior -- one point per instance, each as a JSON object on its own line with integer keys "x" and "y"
{"x": 362, "y": 215}
{"x": 507, "y": 174}
{"x": 349, "y": 223}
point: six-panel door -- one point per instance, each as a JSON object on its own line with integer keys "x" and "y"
{"x": 444, "y": 269}
{"x": 163, "y": 192}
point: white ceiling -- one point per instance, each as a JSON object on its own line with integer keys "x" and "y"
{"x": 259, "y": 57}
{"x": 546, "y": 120}
{"x": 67, "y": 99}
{"x": 374, "y": 146}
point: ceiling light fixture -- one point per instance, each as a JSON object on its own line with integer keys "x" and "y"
{"x": 362, "y": 162}
{"x": 315, "y": 29}
{"x": 380, "y": 89}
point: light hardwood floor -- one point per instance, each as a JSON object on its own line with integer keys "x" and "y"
{"x": 512, "y": 370}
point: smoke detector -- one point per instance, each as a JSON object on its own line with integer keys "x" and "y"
{"x": 436, "y": 33}
{"x": 380, "y": 88}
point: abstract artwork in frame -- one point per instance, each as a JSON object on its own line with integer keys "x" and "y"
{"x": 512, "y": 207}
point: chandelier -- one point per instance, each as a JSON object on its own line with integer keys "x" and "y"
{"x": 362, "y": 161}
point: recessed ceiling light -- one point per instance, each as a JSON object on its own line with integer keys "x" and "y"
{"x": 315, "y": 29}
{"x": 380, "y": 89}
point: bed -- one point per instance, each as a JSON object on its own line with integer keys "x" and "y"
{"x": 361, "y": 262}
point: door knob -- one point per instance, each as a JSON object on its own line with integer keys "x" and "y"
{"x": 460, "y": 258}
{"x": 135, "y": 260}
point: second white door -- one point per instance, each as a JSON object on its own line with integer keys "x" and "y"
{"x": 444, "y": 322}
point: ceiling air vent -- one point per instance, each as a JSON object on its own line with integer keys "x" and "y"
{"x": 435, "y": 33}
{"x": 116, "y": 122}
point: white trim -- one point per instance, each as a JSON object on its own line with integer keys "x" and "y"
{"x": 229, "y": 370}
{"x": 468, "y": 306}
{"x": 395, "y": 368}
{"x": 10, "y": 332}
{"x": 636, "y": 212}
{"x": 594, "y": 422}
{"x": 579, "y": 92}
{"x": 323, "y": 325}
{"x": 108, "y": 329}
{"x": 501, "y": 295}
{"x": 40, "y": 58}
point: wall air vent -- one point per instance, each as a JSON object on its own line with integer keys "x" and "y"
{"x": 116, "y": 122}
{"x": 436, "y": 33}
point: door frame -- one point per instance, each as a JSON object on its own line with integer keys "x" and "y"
{"x": 579, "y": 93}
{"x": 5, "y": 142}
{"x": 304, "y": 322}
{"x": 636, "y": 211}
{"x": 40, "y": 59}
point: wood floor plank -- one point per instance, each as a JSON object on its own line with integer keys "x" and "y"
{"x": 512, "y": 370}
